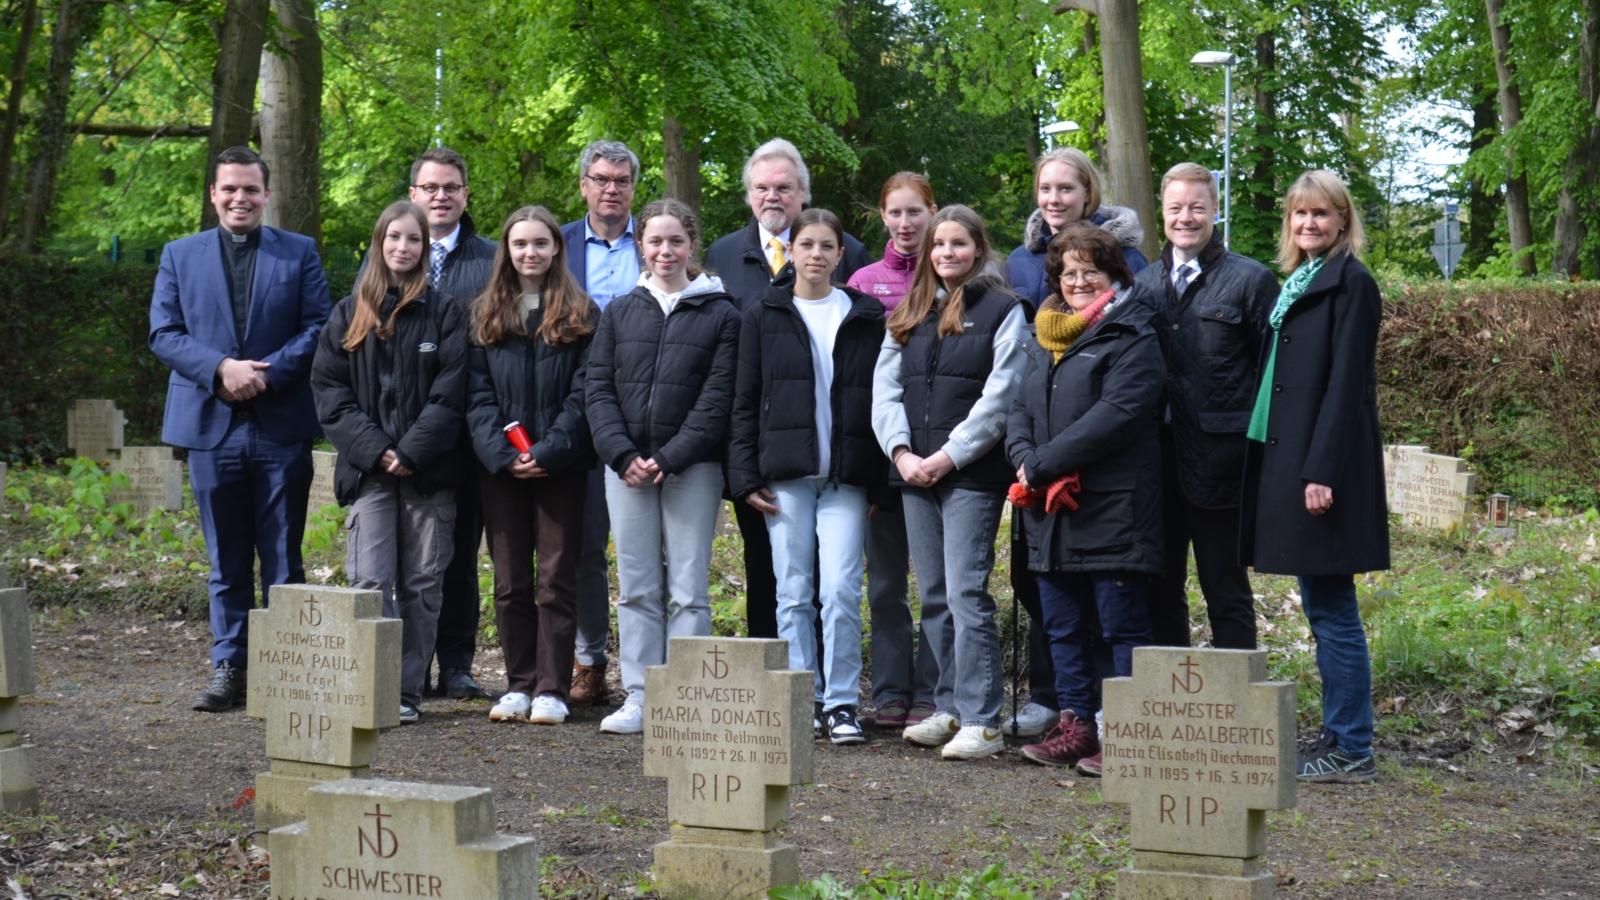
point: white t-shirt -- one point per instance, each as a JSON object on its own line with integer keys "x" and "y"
{"x": 822, "y": 318}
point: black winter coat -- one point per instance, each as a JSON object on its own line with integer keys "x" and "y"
{"x": 741, "y": 262}
{"x": 416, "y": 379}
{"x": 659, "y": 386}
{"x": 1322, "y": 428}
{"x": 523, "y": 379}
{"x": 774, "y": 435}
{"x": 1211, "y": 339}
{"x": 1095, "y": 413}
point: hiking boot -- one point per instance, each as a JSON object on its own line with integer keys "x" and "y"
{"x": 843, "y": 728}
{"x": 627, "y": 720}
{"x": 225, "y": 690}
{"x": 1031, "y": 720}
{"x": 920, "y": 711}
{"x": 588, "y": 686}
{"x": 1089, "y": 766}
{"x": 1071, "y": 740}
{"x": 547, "y": 709}
{"x": 1330, "y": 765}
{"x": 409, "y": 713}
{"x": 892, "y": 714}
{"x": 974, "y": 742}
{"x": 512, "y": 707}
{"x": 459, "y": 685}
{"x": 934, "y": 731}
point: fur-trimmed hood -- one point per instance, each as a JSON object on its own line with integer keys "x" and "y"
{"x": 1120, "y": 221}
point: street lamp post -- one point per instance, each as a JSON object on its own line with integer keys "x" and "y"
{"x": 1059, "y": 127}
{"x": 1226, "y": 61}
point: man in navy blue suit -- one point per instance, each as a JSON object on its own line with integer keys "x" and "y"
{"x": 603, "y": 256}
{"x": 235, "y": 313}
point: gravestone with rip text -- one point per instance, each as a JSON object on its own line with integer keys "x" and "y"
{"x": 1199, "y": 745}
{"x": 324, "y": 673}
{"x": 1427, "y": 490}
{"x": 18, "y": 790}
{"x": 728, "y": 724}
{"x": 94, "y": 429}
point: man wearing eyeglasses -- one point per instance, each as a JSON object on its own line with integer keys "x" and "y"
{"x": 777, "y": 186}
{"x": 603, "y": 257}
{"x": 459, "y": 263}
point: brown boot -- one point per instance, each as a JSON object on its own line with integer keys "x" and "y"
{"x": 588, "y": 685}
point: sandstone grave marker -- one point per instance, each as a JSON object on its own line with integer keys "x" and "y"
{"x": 324, "y": 673}
{"x": 1199, "y": 746}
{"x": 323, "y": 463}
{"x": 94, "y": 429}
{"x": 728, "y": 724}
{"x": 365, "y": 838}
{"x": 155, "y": 478}
{"x": 18, "y": 790}
{"x": 1427, "y": 490}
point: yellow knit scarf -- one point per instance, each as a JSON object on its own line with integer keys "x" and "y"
{"x": 1056, "y": 329}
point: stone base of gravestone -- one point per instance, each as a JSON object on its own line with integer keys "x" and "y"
{"x": 1183, "y": 876}
{"x": 380, "y": 838}
{"x": 18, "y": 790}
{"x": 722, "y": 864}
{"x": 281, "y": 793}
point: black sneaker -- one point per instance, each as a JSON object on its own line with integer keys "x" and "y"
{"x": 843, "y": 728}
{"x": 409, "y": 714}
{"x": 1330, "y": 765}
{"x": 225, "y": 691}
{"x": 458, "y": 684}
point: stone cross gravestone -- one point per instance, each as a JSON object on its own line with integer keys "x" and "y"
{"x": 388, "y": 838}
{"x": 155, "y": 478}
{"x": 1427, "y": 490}
{"x": 1199, "y": 745}
{"x": 322, "y": 466}
{"x": 94, "y": 429}
{"x": 18, "y": 791}
{"x": 728, "y": 724}
{"x": 324, "y": 673}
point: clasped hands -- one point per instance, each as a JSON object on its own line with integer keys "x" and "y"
{"x": 922, "y": 471}
{"x": 241, "y": 379}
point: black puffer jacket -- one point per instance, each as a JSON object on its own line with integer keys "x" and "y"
{"x": 523, "y": 379}
{"x": 468, "y": 265}
{"x": 1210, "y": 338}
{"x": 661, "y": 386}
{"x": 1094, "y": 413}
{"x": 774, "y": 412}
{"x": 415, "y": 382}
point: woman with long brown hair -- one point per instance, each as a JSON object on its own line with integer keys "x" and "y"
{"x": 389, "y": 379}
{"x": 531, "y": 329}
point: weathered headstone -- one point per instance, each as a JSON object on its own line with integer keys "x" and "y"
{"x": 388, "y": 838}
{"x": 728, "y": 724}
{"x": 155, "y": 478}
{"x": 1199, "y": 745}
{"x": 322, "y": 466}
{"x": 18, "y": 790}
{"x": 1427, "y": 490}
{"x": 94, "y": 429}
{"x": 324, "y": 673}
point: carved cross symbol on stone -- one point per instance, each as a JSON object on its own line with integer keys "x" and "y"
{"x": 729, "y": 726}
{"x": 1199, "y": 745}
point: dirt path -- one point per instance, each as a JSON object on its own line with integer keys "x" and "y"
{"x": 140, "y": 791}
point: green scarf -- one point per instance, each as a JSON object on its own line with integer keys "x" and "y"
{"x": 1292, "y": 289}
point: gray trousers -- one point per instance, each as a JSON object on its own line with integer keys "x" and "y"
{"x": 898, "y": 673}
{"x": 950, "y": 531}
{"x": 594, "y": 589}
{"x": 400, "y": 543}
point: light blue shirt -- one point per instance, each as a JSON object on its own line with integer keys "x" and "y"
{"x": 610, "y": 269}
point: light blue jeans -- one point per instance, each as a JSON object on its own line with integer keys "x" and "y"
{"x": 819, "y": 527}
{"x": 663, "y": 533}
{"x": 951, "y": 531}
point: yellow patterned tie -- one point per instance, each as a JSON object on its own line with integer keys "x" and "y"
{"x": 778, "y": 259}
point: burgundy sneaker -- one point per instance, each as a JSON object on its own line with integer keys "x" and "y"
{"x": 892, "y": 714}
{"x": 920, "y": 710}
{"x": 1070, "y": 740}
{"x": 1089, "y": 766}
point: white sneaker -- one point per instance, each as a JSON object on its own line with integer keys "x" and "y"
{"x": 627, "y": 720}
{"x": 1031, "y": 720}
{"x": 548, "y": 709}
{"x": 932, "y": 731}
{"x": 974, "y": 742}
{"x": 512, "y": 707}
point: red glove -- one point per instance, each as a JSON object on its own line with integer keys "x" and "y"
{"x": 1061, "y": 493}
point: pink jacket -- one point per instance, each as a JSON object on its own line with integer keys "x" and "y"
{"x": 888, "y": 280}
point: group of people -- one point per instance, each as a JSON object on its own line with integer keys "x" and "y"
{"x": 569, "y": 385}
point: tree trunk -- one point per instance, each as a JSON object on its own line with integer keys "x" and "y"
{"x": 1482, "y": 197}
{"x": 240, "y": 35}
{"x": 681, "y": 167}
{"x": 74, "y": 21}
{"x": 1518, "y": 218}
{"x": 8, "y": 136}
{"x": 1263, "y": 185}
{"x": 1127, "y": 134}
{"x": 291, "y": 119}
{"x": 1579, "y": 177}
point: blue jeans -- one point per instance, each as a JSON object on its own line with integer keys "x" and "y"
{"x": 251, "y": 491}
{"x": 951, "y": 532}
{"x": 1342, "y": 660}
{"x": 903, "y": 667}
{"x": 594, "y": 589}
{"x": 1080, "y": 606}
{"x": 819, "y": 527}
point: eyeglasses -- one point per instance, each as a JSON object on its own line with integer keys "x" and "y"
{"x": 434, "y": 190}
{"x": 622, "y": 183}
{"x": 1084, "y": 276}
{"x": 777, "y": 190}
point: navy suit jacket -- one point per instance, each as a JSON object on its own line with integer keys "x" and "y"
{"x": 192, "y": 331}
{"x": 577, "y": 253}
